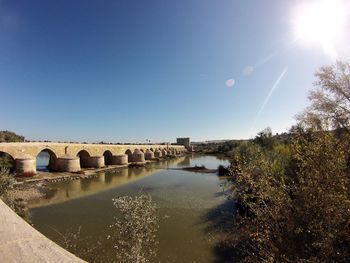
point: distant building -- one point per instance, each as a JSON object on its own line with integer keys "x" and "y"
{"x": 184, "y": 141}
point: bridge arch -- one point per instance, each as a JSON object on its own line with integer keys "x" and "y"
{"x": 7, "y": 162}
{"x": 84, "y": 157}
{"x": 108, "y": 157}
{"x": 128, "y": 152}
{"x": 46, "y": 160}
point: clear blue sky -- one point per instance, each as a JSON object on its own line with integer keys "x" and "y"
{"x": 127, "y": 70}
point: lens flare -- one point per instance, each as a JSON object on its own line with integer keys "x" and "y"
{"x": 320, "y": 23}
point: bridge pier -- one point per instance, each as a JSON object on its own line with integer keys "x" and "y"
{"x": 157, "y": 153}
{"x": 72, "y": 157}
{"x": 119, "y": 159}
{"x": 96, "y": 161}
{"x": 69, "y": 164}
{"x": 138, "y": 156}
{"x": 25, "y": 166}
{"x": 149, "y": 155}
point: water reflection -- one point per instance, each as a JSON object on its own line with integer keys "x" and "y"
{"x": 103, "y": 181}
{"x": 188, "y": 205}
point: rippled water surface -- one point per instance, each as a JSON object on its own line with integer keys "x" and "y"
{"x": 186, "y": 201}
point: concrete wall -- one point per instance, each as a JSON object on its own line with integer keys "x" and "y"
{"x": 21, "y": 243}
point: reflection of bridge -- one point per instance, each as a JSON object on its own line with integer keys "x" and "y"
{"x": 67, "y": 157}
{"x": 103, "y": 181}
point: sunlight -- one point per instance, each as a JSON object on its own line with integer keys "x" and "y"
{"x": 320, "y": 23}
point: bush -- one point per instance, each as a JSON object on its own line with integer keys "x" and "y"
{"x": 134, "y": 235}
{"x": 222, "y": 170}
{"x": 17, "y": 205}
{"x": 296, "y": 210}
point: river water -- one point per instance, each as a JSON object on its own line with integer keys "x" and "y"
{"x": 189, "y": 205}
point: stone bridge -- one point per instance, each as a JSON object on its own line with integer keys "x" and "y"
{"x": 71, "y": 157}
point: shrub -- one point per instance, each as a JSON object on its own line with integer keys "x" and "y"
{"x": 296, "y": 211}
{"x": 17, "y": 205}
{"x": 134, "y": 235}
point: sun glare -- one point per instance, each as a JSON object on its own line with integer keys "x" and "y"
{"x": 320, "y": 23}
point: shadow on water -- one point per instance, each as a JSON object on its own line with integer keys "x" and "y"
{"x": 219, "y": 221}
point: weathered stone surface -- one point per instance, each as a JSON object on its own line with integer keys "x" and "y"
{"x": 96, "y": 161}
{"x": 21, "y": 243}
{"x": 68, "y": 164}
{"x": 157, "y": 153}
{"x": 119, "y": 159}
{"x": 138, "y": 156}
{"x": 149, "y": 155}
{"x": 30, "y": 150}
{"x": 27, "y": 165}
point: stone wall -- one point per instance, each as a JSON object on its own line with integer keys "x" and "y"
{"x": 69, "y": 157}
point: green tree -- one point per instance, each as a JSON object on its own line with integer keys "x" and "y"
{"x": 294, "y": 197}
{"x": 265, "y": 138}
{"x": 8, "y": 136}
{"x": 294, "y": 214}
{"x": 330, "y": 100}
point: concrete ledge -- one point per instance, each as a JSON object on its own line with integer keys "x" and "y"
{"x": 19, "y": 242}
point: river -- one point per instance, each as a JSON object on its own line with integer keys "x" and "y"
{"x": 189, "y": 205}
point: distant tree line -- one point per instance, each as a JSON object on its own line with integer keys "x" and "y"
{"x": 6, "y": 161}
{"x": 8, "y": 136}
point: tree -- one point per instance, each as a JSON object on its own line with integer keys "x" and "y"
{"x": 293, "y": 198}
{"x": 265, "y": 138}
{"x": 296, "y": 211}
{"x": 8, "y": 136}
{"x": 330, "y": 101}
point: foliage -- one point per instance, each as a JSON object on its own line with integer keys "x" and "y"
{"x": 306, "y": 206}
{"x": 132, "y": 239}
{"x": 83, "y": 247}
{"x": 293, "y": 195}
{"x": 265, "y": 138}
{"x": 17, "y": 205}
{"x": 8, "y": 136}
{"x": 330, "y": 101}
{"x": 225, "y": 147}
{"x": 134, "y": 235}
{"x": 6, "y": 162}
